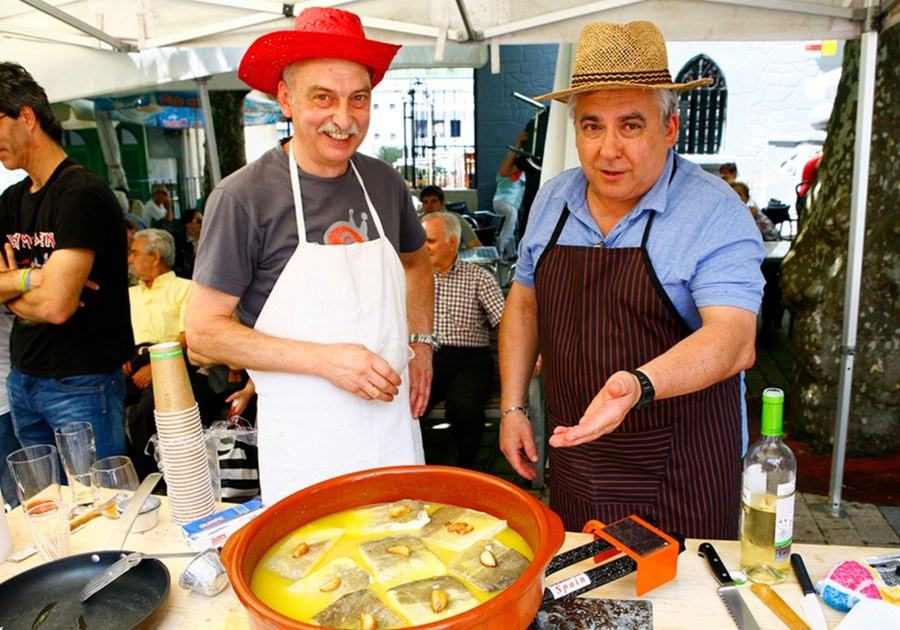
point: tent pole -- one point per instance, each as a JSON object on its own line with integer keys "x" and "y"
{"x": 211, "y": 148}
{"x": 856, "y": 240}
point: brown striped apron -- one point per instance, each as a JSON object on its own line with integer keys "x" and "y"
{"x": 677, "y": 462}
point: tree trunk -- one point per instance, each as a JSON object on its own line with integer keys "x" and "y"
{"x": 814, "y": 273}
{"x": 228, "y": 120}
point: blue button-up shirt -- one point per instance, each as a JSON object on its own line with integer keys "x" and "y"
{"x": 704, "y": 245}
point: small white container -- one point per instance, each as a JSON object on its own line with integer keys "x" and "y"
{"x": 149, "y": 516}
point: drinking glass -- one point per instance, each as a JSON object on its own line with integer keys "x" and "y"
{"x": 78, "y": 453}
{"x": 35, "y": 470}
{"x": 48, "y": 523}
{"x": 114, "y": 480}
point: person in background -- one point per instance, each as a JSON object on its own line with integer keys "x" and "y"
{"x": 468, "y": 303}
{"x": 808, "y": 180}
{"x": 64, "y": 276}
{"x": 507, "y": 201}
{"x": 186, "y": 240}
{"x": 122, "y": 197}
{"x": 527, "y": 159}
{"x": 319, "y": 250}
{"x": 158, "y": 208}
{"x": 766, "y": 228}
{"x": 433, "y": 200}
{"x": 643, "y": 307}
{"x": 192, "y": 227}
{"x": 728, "y": 172}
{"x": 158, "y": 303}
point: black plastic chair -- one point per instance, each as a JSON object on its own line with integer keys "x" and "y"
{"x": 489, "y": 225}
{"x": 777, "y": 212}
{"x": 460, "y": 207}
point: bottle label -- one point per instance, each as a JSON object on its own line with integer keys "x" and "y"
{"x": 784, "y": 525}
{"x": 754, "y": 483}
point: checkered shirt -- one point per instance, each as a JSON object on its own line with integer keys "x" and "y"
{"x": 468, "y": 302}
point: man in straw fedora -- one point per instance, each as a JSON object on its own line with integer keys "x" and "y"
{"x": 319, "y": 250}
{"x": 638, "y": 282}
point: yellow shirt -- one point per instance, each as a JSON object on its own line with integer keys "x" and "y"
{"x": 157, "y": 312}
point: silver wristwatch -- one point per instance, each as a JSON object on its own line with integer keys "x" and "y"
{"x": 430, "y": 339}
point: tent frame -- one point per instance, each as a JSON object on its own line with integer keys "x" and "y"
{"x": 868, "y": 19}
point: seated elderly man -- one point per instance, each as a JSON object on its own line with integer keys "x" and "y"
{"x": 158, "y": 303}
{"x": 467, "y": 304}
{"x": 158, "y": 207}
{"x": 433, "y": 200}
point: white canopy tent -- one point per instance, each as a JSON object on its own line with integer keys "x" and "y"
{"x": 86, "y": 48}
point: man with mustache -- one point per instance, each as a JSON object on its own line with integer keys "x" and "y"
{"x": 319, "y": 252}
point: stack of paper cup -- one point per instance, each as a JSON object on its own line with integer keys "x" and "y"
{"x": 181, "y": 442}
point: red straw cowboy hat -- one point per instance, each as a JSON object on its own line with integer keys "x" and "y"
{"x": 621, "y": 57}
{"x": 318, "y": 33}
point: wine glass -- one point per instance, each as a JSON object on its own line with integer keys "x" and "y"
{"x": 114, "y": 480}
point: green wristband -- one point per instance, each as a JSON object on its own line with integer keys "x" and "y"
{"x": 22, "y": 275}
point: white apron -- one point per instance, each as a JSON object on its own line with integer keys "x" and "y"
{"x": 308, "y": 429}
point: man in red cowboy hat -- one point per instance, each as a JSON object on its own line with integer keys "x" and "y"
{"x": 319, "y": 252}
{"x": 638, "y": 282}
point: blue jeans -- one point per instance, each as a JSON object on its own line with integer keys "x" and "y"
{"x": 40, "y": 404}
{"x": 8, "y": 444}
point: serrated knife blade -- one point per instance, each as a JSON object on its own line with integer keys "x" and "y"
{"x": 728, "y": 592}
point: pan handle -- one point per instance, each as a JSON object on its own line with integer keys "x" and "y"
{"x": 573, "y": 556}
{"x": 576, "y": 585}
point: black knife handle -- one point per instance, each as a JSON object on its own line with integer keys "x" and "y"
{"x": 715, "y": 563}
{"x": 802, "y": 576}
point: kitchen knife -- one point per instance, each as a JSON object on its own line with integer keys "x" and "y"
{"x": 812, "y": 608}
{"x": 135, "y": 503}
{"x": 728, "y": 592}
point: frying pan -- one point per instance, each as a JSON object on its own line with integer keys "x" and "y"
{"x": 134, "y": 600}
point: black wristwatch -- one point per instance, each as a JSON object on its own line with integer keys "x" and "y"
{"x": 647, "y": 391}
{"x": 430, "y": 339}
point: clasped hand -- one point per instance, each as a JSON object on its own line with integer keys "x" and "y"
{"x": 358, "y": 370}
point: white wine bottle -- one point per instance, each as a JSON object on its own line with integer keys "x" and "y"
{"x": 767, "y": 498}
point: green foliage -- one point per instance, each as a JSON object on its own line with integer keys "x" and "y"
{"x": 389, "y": 154}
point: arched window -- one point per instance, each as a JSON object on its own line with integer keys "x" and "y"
{"x": 701, "y": 110}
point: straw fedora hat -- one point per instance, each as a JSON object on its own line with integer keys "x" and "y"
{"x": 318, "y": 33}
{"x": 621, "y": 56}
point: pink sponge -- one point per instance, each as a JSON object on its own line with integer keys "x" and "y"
{"x": 848, "y": 582}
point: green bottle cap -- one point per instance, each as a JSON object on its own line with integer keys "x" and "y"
{"x": 772, "y": 410}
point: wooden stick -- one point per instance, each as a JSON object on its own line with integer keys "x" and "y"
{"x": 779, "y": 607}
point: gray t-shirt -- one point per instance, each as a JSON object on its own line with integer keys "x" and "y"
{"x": 250, "y": 228}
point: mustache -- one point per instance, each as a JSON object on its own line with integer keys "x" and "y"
{"x": 331, "y": 127}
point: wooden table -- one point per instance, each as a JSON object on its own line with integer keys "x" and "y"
{"x": 777, "y": 250}
{"x": 688, "y": 602}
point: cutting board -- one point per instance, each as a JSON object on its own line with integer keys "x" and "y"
{"x": 596, "y": 614}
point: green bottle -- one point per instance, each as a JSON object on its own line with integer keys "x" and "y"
{"x": 767, "y": 498}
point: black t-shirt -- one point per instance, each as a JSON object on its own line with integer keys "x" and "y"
{"x": 75, "y": 209}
